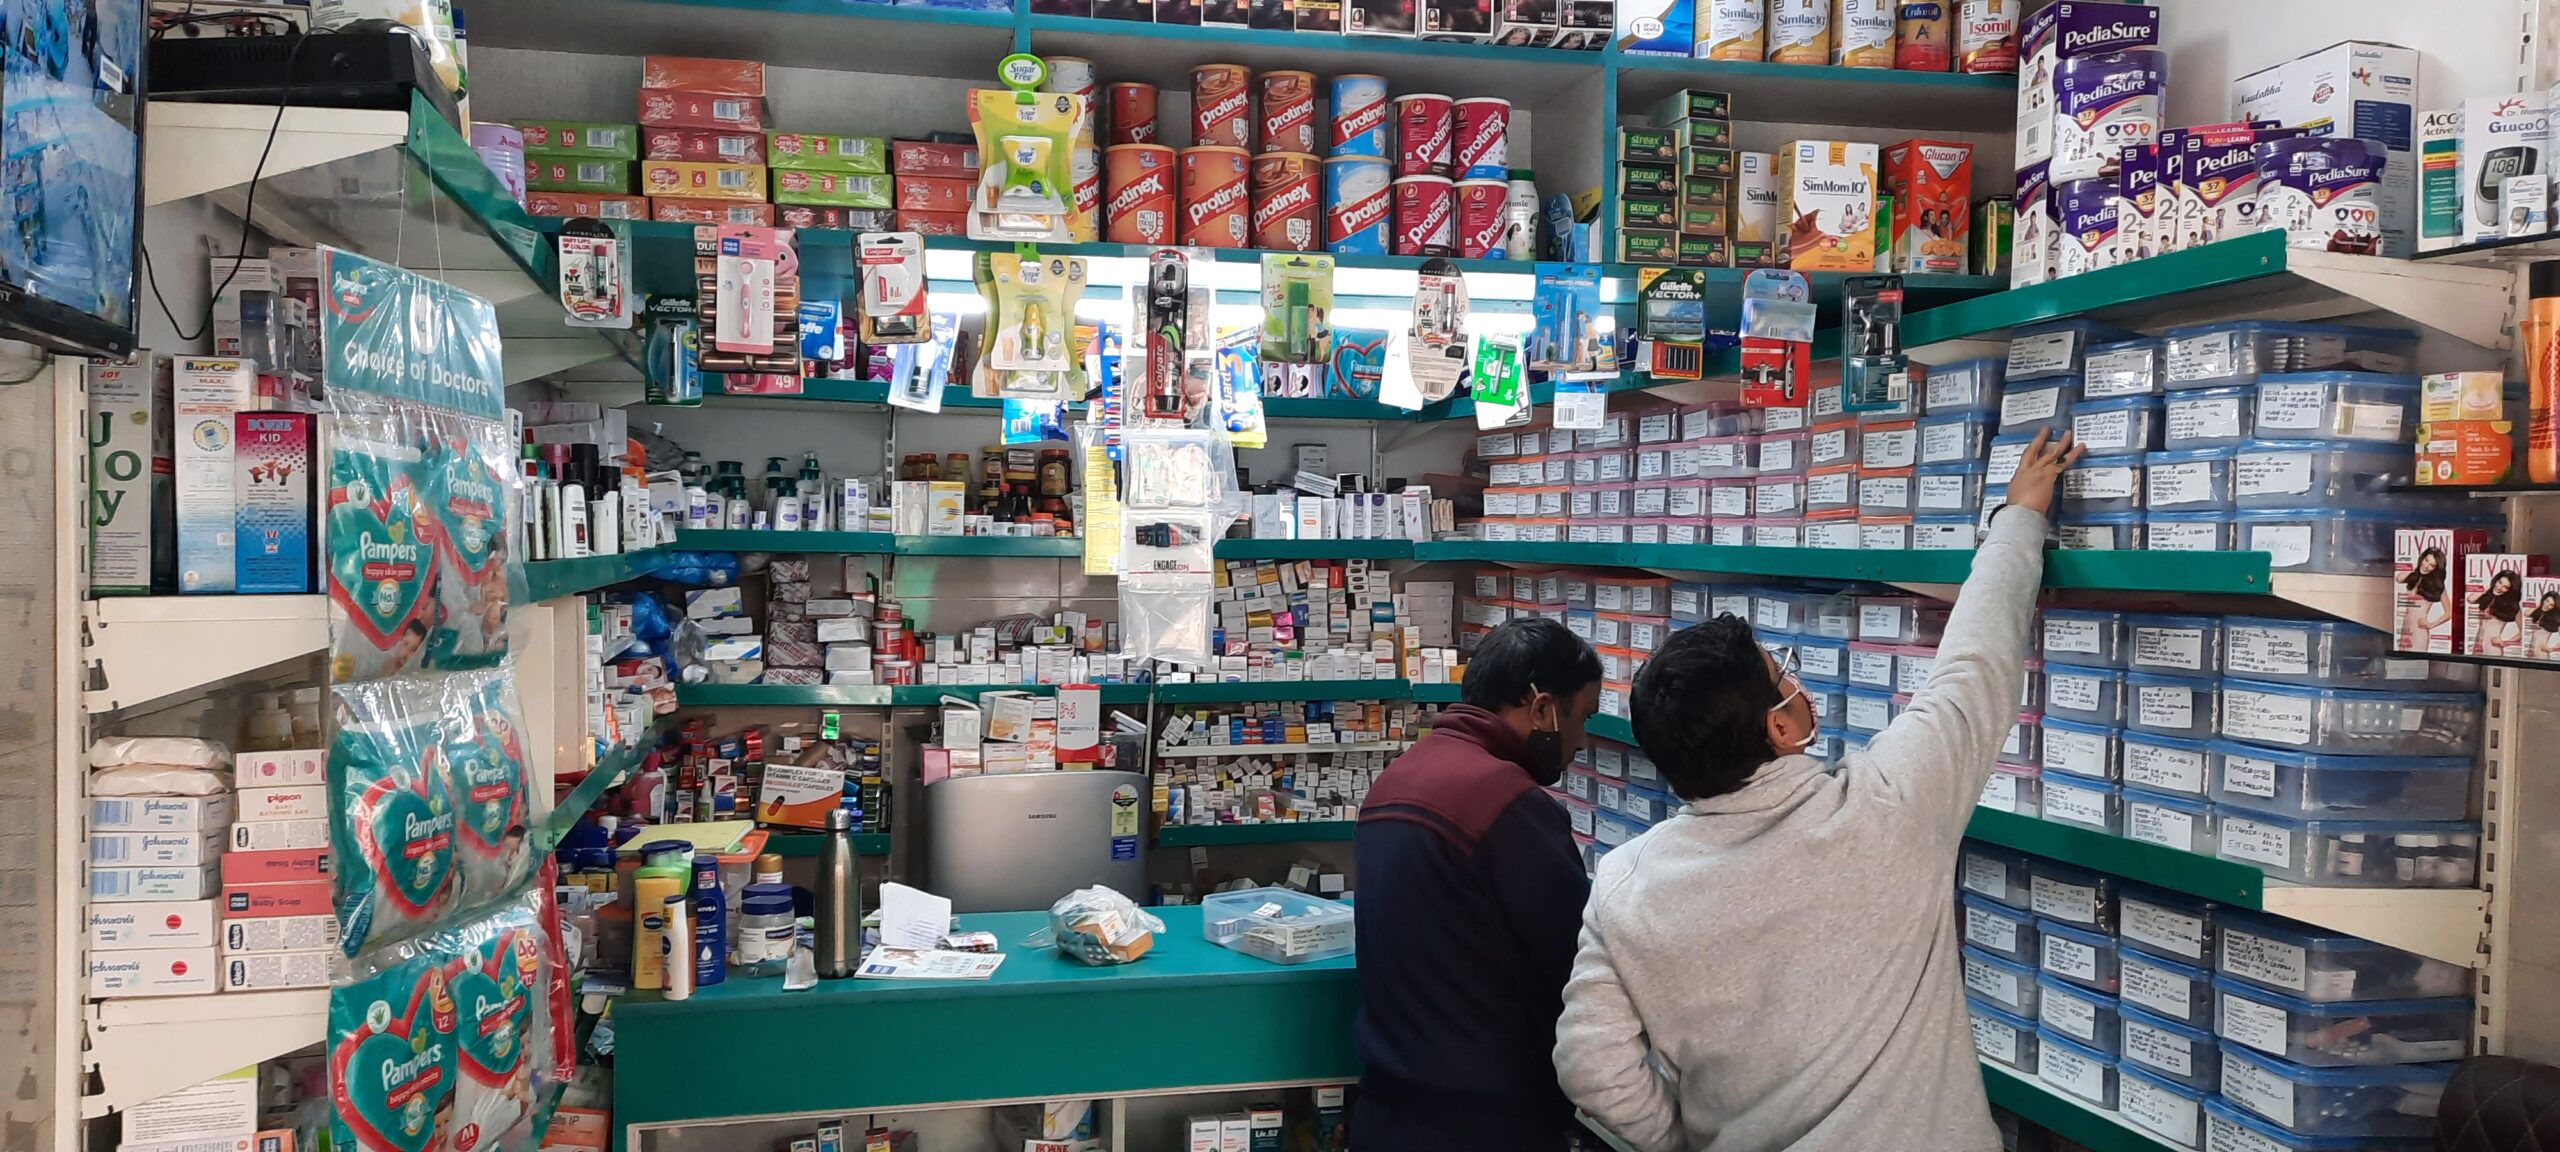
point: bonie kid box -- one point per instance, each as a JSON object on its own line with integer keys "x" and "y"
{"x": 132, "y": 523}
{"x": 206, "y": 394}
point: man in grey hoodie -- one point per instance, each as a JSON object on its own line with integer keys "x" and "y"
{"x": 1775, "y": 966}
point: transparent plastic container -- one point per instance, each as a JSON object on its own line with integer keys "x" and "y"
{"x": 1822, "y": 661}
{"x": 1832, "y": 442}
{"x": 1963, "y": 386}
{"x": 1958, "y": 438}
{"x": 2084, "y": 695}
{"x": 2002, "y": 1038}
{"x": 1995, "y": 873}
{"x": 1907, "y": 409}
{"x": 2006, "y": 986}
{"x": 2364, "y": 1032}
{"x": 2229, "y": 1127}
{"x": 2113, "y": 427}
{"x": 2076, "y": 1013}
{"x": 2170, "y": 705}
{"x": 1996, "y": 928}
{"x": 2332, "y": 653}
{"x": 2208, "y": 418}
{"x": 1829, "y": 704}
{"x": 1884, "y": 533}
{"x": 1889, "y": 444}
{"x": 2177, "y": 822}
{"x": 1727, "y": 457}
{"x": 2069, "y": 895}
{"x": 1866, "y": 713}
{"x": 2076, "y": 1070}
{"x": 2354, "y": 853}
{"x": 2349, "y": 542}
{"x": 2175, "y": 645}
{"x": 2181, "y": 993}
{"x": 2024, "y": 746}
{"x": 1870, "y": 664}
{"x": 2190, "y": 532}
{"x": 1777, "y": 496}
{"x": 1942, "y": 533}
{"x": 2001, "y": 462}
{"x": 1897, "y": 620}
{"x": 1887, "y": 493}
{"x": 2329, "y": 967}
{"x": 2306, "y": 473}
{"x": 1831, "y": 615}
{"x": 1730, "y": 497}
{"x": 1780, "y": 454}
{"x": 2188, "y": 479}
{"x": 2014, "y": 789}
{"x": 1782, "y": 612}
{"x": 2080, "y": 801}
{"x": 2099, "y": 532}
{"x": 2088, "y": 751}
{"x": 1277, "y": 924}
{"x": 2172, "y": 1112}
{"x": 2123, "y": 368}
{"x": 1911, "y": 668}
{"x": 2099, "y": 485}
{"x": 2089, "y": 638}
{"x": 1831, "y": 489}
{"x": 2345, "y": 720}
{"x": 2390, "y": 1100}
{"x": 2179, "y": 1053}
{"x": 2241, "y": 351}
{"x": 2167, "y": 764}
{"x": 2338, "y": 406}
{"x": 2038, "y": 406}
{"x": 2310, "y": 785}
{"x": 2170, "y": 925}
{"x": 2058, "y": 347}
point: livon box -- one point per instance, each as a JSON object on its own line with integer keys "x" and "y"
{"x": 152, "y": 972}
{"x": 2493, "y": 606}
{"x": 206, "y": 394}
{"x": 151, "y": 924}
{"x": 133, "y": 519}
{"x": 1827, "y": 205}
{"x": 271, "y": 483}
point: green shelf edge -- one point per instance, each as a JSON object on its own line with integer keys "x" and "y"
{"x": 1247, "y": 549}
{"x": 2215, "y": 265}
{"x": 1438, "y": 693}
{"x": 2066, "y": 1117}
{"x": 1222, "y": 835}
{"x": 878, "y": 544}
{"x": 609, "y": 771}
{"x": 2205, "y": 876}
{"x": 1611, "y": 728}
{"x": 551, "y": 579}
{"x": 792, "y": 844}
{"x": 1280, "y": 690}
{"x": 927, "y": 695}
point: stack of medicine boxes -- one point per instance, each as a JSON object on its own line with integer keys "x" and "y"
{"x": 279, "y": 925}
{"x": 1675, "y": 185}
{"x": 152, "y": 878}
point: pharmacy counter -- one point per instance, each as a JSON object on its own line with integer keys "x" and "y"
{"x": 1189, "y": 1016}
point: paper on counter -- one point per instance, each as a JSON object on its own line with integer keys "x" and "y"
{"x": 887, "y": 963}
{"x": 912, "y": 918}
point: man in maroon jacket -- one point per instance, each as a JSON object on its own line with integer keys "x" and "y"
{"x": 1470, "y": 895}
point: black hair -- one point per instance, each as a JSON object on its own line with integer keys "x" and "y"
{"x": 2427, "y": 583}
{"x": 2498, "y": 605}
{"x": 2546, "y": 612}
{"x": 1701, "y": 707}
{"x": 1524, "y": 657}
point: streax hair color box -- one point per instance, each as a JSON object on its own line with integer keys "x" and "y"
{"x": 132, "y": 515}
{"x": 271, "y": 480}
{"x": 206, "y": 394}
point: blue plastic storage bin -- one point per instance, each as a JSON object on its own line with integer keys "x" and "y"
{"x": 2354, "y": 853}
{"x": 2006, "y": 932}
{"x": 2006, "y": 986}
{"x": 2326, "y": 966}
{"x": 2175, "y": 991}
{"x": 2087, "y": 637}
{"x": 2169, "y": 821}
{"x": 1996, "y": 873}
{"x": 2307, "y": 784}
{"x": 2388, "y": 1100}
{"x": 2208, "y": 417}
{"x": 1948, "y": 490}
{"x": 2122, "y": 368}
{"x": 2058, "y": 347}
{"x": 2074, "y": 896}
{"x": 2242, "y": 351}
{"x": 2175, "y": 1051}
{"x": 2170, "y": 1111}
{"x": 1957, "y": 437}
{"x": 2088, "y": 751}
{"x": 2350, "y": 542}
{"x": 2332, "y": 653}
{"x": 1963, "y": 386}
{"x": 2190, "y": 532}
{"x": 2173, "y": 645}
{"x": 2102, "y": 484}
{"x": 2229, "y": 1127}
{"x": 2168, "y": 764}
{"x": 2337, "y": 406}
{"x": 2335, "y": 1035}
{"x": 2168, "y": 924}
{"x": 2082, "y": 956}
{"x": 2034, "y": 406}
{"x": 2080, "y": 801}
{"x": 2333, "y": 474}
{"x": 2182, "y": 706}
{"x": 2188, "y": 479}
{"x": 2001, "y": 1037}
{"x": 1822, "y": 660}
{"x": 2345, "y": 720}
{"x": 2077, "y": 1013}
{"x": 2076, "y": 1069}
{"x": 2114, "y": 427}
{"x": 2084, "y": 695}
{"x": 2100, "y": 532}
{"x": 1943, "y": 533}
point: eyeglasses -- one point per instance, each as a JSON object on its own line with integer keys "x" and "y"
{"x": 1787, "y": 682}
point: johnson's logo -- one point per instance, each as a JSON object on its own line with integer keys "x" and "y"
{"x": 1148, "y": 186}
{"x": 1219, "y": 202}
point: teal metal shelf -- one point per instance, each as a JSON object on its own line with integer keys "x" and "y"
{"x": 610, "y": 770}
{"x": 550, "y": 579}
{"x": 2217, "y": 880}
{"x": 2064, "y": 1116}
{"x": 1280, "y": 690}
{"x": 1234, "y": 549}
{"x": 1282, "y": 832}
{"x": 2215, "y": 573}
{"x": 867, "y": 695}
{"x": 1438, "y": 693}
{"x": 1611, "y": 728}
{"x": 879, "y": 544}
{"x": 793, "y": 844}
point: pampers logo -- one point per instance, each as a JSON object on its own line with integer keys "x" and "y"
{"x": 397, "y": 550}
{"x": 427, "y": 833}
{"x": 398, "y": 1072}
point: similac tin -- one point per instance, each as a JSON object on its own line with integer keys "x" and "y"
{"x": 2323, "y": 191}
{"x": 2101, "y": 104}
{"x": 1734, "y": 30}
{"x": 1289, "y": 112}
{"x": 1862, "y": 33}
{"x": 1132, "y": 110}
{"x": 1799, "y": 31}
{"x": 1216, "y": 205}
{"x": 1221, "y": 106}
{"x": 1481, "y": 221}
{"x": 1138, "y": 183}
{"x": 1987, "y": 36}
{"x": 1425, "y": 125}
{"x": 1481, "y": 149}
{"x": 1084, "y": 216}
{"x": 1359, "y": 116}
{"x": 1358, "y": 205}
{"x": 1923, "y": 36}
{"x": 1287, "y": 195}
{"x": 1426, "y": 216}
{"x": 2085, "y": 226}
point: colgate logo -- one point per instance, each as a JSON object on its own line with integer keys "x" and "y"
{"x": 1219, "y": 202}
{"x": 1227, "y": 108}
{"x": 1148, "y": 186}
{"x": 1360, "y": 215}
{"x": 1353, "y": 123}
{"x": 1295, "y": 197}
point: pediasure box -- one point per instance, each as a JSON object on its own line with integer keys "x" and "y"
{"x": 206, "y": 394}
{"x": 1833, "y": 184}
{"x": 2058, "y": 32}
{"x": 271, "y": 483}
{"x": 2501, "y": 136}
{"x": 132, "y": 521}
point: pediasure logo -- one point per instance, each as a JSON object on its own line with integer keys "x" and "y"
{"x": 2125, "y": 31}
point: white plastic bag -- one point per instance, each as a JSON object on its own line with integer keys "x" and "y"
{"x": 174, "y": 751}
{"x": 1099, "y": 926}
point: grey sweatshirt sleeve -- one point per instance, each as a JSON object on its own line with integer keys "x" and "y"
{"x": 1603, "y": 1060}
{"x": 1934, "y": 758}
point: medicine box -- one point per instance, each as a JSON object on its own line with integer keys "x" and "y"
{"x": 273, "y": 769}
{"x": 151, "y": 883}
{"x": 294, "y": 802}
{"x": 152, "y": 972}
{"x": 206, "y": 395}
{"x": 150, "y": 813}
{"x": 222, "y": 1108}
{"x": 150, "y": 924}
{"x": 272, "y": 487}
{"x": 2439, "y": 192}
{"x": 256, "y": 971}
{"x": 132, "y": 525}
{"x": 279, "y": 934}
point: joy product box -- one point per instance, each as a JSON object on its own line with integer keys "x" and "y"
{"x": 1827, "y": 205}
{"x": 132, "y": 507}
{"x": 206, "y": 394}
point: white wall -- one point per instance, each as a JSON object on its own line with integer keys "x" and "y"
{"x": 2466, "y": 47}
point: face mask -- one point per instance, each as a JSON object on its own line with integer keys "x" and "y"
{"x": 1546, "y": 752}
{"x": 1788, "y": 678}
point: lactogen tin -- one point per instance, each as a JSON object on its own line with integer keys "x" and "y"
{"x": 1287, "y": 201}
{"x": 1221, "y": 106}
{"x": 1426, "y": 216}
{"x": 1480, "y": 218}
{"x": 1359, "y": 116}
{"x": 2084, "y": 226}
{"x": 1216, "y": 205}
{"x": 2323, "y": 191}
{"x": 1425, "y": 125}
{"x": 1481, "y": 149}
{"x": 1289, "y": 112}
{"x": 1132, "y": 109}
{"x": 1358, "y": 202}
